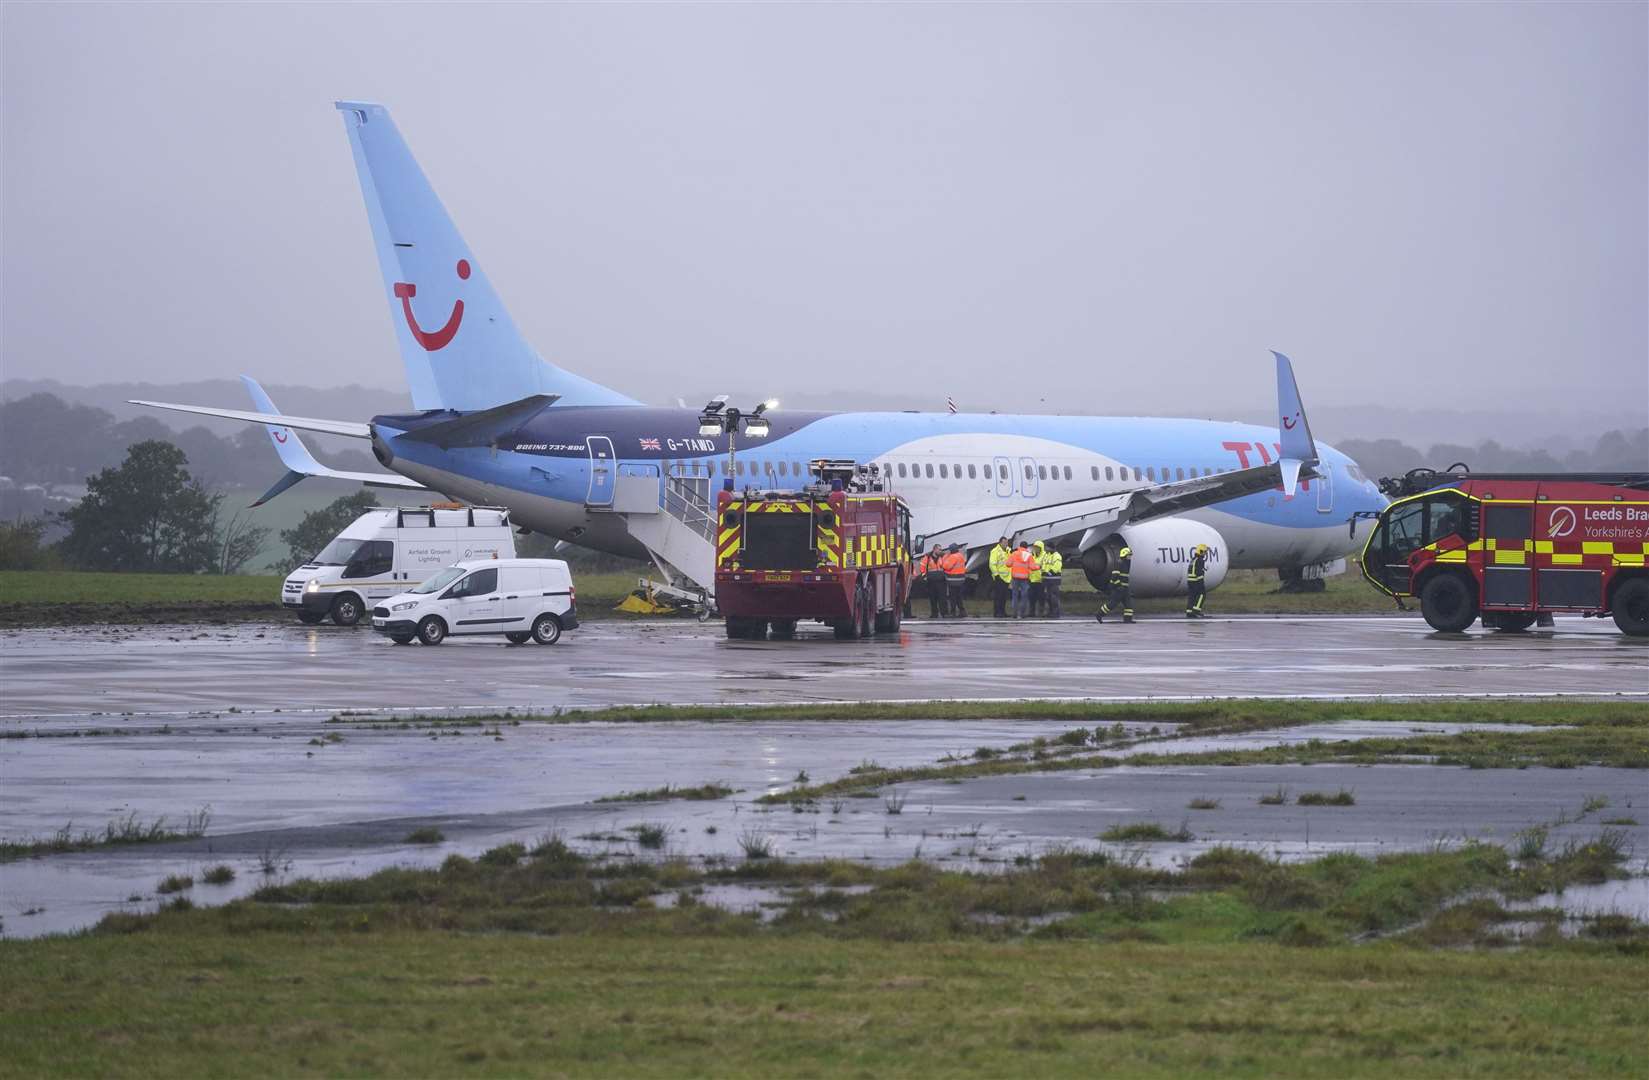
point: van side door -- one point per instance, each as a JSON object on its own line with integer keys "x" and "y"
{"x": 476, "y": 605}
{"x": 522, "y": 599}
{"x": 372, "y": 569}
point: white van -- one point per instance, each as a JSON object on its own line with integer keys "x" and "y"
{"x": 386, "y": 551}
{"x": 523, "y": 599}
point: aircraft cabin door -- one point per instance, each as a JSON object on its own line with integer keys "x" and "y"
{"x": 1027, "y": 486}
{"x": 1004, "y": 477}
{"x": 1325, "y": 489}
{"x": 603, "y": 466}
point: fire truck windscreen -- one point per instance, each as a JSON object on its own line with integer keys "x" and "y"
{"x": 778, "y": 542}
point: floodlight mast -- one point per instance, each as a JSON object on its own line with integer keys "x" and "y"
{"x": 718, "y": 417}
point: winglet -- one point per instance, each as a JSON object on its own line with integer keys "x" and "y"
{"x": 288, "y": 446}
{"x": 1298, "y": 448}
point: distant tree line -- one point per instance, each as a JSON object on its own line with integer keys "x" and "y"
{"x": 1615, "y": 451}
{"x": 145, "y": 514}
{"x": 46, "y": 440}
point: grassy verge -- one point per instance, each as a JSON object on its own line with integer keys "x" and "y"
{"x": 77, "y": 598}
{"x": 119, "y": 832}
{"x": 1199, "y": 716}
{"x": 556, "y": 963}
{"x": 1569, "y": 734}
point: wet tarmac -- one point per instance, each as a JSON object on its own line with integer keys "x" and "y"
{"x": 71, "y": 674}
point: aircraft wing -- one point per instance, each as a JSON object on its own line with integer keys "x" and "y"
{"x": 349, "y": 428}
{"x": 1095, "y": 517}
{"x": 299, "y": 462}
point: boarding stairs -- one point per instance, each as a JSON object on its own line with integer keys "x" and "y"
{"x": 676, "y": 522}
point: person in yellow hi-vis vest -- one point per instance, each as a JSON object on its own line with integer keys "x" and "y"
{"x": 1000, "y": 576}
{"x": 1053, "y": 572}
{"x": 1036, "y": 580}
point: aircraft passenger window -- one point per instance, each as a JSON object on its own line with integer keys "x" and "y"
{"x": 956, "y": 471}
{"x": 944, "y": 472}
{"x": 1095, "y": 470}
{"x": 1179, "y": 474}
{"x": 1002, "y": 472}
{"x": 1107, "y": 472}
{"x": 930, "y": 472}
{"x": 1137, "y": 476}
{"x": 1067, "y": 472}
{"x": 973, "y": 472}
{"x": 1150, "y": 472}
{"x": 741, "y": 468}
{"x": 1028, "y": 474}
{"x": 1042, "y": 472}
{"x": 901, "y": 468}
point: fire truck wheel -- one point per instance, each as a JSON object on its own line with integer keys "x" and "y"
{"x": 867, "y": 609}
{"x": 784, "y": 629}
{"x": 1512, "y": 621}
{"x": 1632, "y": 607}
{"x": 1448, "y": 603}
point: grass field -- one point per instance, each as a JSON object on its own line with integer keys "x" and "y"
{"x": 555, "y": 962}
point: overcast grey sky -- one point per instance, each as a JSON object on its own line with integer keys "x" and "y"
{"x": 1116, "y": 208}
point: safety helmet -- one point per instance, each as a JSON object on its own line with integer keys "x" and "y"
{"x": 1037, "y": 544}
{"x": 1202, "y": 549}
{"x": 1126, "y": 552}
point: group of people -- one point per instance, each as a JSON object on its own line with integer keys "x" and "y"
{"x": 1025, "y": 581}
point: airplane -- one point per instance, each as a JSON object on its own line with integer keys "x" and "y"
{"x": 496, "y": 424}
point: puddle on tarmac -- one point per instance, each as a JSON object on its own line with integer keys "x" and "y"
{"x": 345, "y": 809}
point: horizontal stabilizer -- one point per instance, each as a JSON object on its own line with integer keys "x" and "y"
{"x": 481, "y": 428}
{"x": 348, "y": 428}
{"x": 291, "y": 477}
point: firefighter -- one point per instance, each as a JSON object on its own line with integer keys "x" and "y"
{"x": 1053, "y": 569}
{"x": 1000, "y": 577}
{"x": 1194, "y": 591}
{"x": 933, "y": 578}
{"x": 1020, "y": 565}
{"x": 955, "y": 564}
{"x": 1036, "y": 580}
{"x": 1121, "y": 597}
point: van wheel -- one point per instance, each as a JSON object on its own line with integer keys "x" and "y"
{"x": 1448, "y": 604}
{"x": 311, "y": 618}
{"x": 402, "y": 639}
{"x": 518, "y": 637}
{"x": 346, "y": 610}
{"x": 1631, "y": 606}
{"x": 547, "y": 630}
{"x": 432, "y": 631}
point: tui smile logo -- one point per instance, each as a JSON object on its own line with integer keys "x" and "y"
{"x": 432, "y": 340}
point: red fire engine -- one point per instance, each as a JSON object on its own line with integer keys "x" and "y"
{"x": 836, "y": 551}
{"x": 1513, "y": 547}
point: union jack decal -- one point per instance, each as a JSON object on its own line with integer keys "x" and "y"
{"x": 649, "y": 444}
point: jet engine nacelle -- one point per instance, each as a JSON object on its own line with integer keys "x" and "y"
{"x": 1162, "y": 553}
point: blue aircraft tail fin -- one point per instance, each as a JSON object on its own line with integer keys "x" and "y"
{"x": 1295, "y": 443}
{"x": 461, "y": 348}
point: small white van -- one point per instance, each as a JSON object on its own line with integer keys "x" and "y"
{"x": 386, "y": 551}
{"x": 523, "y": 599}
